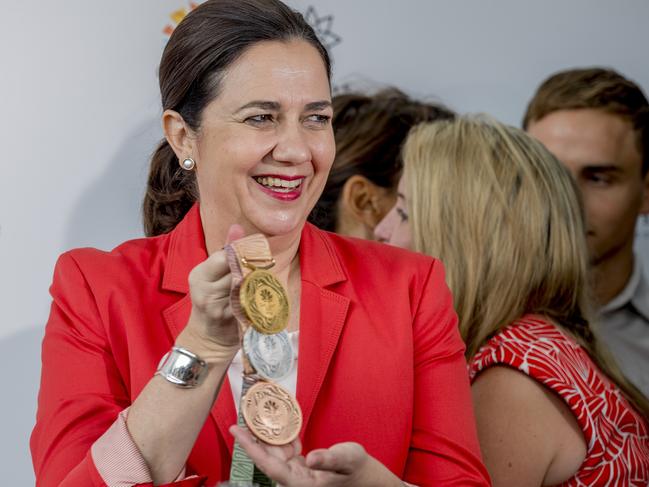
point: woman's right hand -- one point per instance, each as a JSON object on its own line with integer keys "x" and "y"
{"x": 212, "y": 331}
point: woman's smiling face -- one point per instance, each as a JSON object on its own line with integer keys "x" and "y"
{"x": 266, "y": 145}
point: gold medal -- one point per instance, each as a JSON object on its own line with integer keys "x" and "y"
{"x": 271, "y": 413}
{"x": 264, "y": 301}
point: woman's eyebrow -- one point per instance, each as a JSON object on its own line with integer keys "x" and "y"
{"x": 263, "y": 104}
{"x": 275, "y": 106}
{"x": 317, "y": 105}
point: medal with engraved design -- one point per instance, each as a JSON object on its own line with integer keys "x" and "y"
{"x": 264, "y": 301}
{"x": 271, "y": 413}
{"x": 271, "y": 355}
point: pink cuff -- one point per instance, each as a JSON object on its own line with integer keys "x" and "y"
{"x": 118, "y": 459}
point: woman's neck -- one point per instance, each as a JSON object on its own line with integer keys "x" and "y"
{"x": 285, "y": 251}
{"x": 284, "y": 248}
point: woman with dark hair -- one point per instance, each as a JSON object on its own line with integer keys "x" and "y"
{"x": 382, "y": 384}
{"x": 369, "y": 132}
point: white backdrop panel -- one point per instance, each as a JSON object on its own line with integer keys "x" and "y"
{"x": 80, "y": 118}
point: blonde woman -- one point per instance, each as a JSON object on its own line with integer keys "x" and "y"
{"x": 505, "y": 218}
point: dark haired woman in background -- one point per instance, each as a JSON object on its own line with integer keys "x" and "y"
{"x": 369, "y": 132}
{"x": 382, "y": 383}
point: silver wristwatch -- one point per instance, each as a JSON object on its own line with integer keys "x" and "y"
{"x": 182, "y": 368}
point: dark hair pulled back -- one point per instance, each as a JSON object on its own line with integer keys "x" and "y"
{"x": 200, "y": 50}
{"x": 369, "y": 132}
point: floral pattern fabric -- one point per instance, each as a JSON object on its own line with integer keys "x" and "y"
{"x": 617, "y": 436}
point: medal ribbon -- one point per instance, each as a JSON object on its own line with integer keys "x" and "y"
{"x": 253, "y": 249}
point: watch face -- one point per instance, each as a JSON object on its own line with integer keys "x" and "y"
{"x": 271, "y": 355}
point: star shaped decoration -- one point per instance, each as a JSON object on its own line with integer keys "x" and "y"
{"x": 322, "y": 27}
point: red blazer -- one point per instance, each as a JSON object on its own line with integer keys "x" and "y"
{"x": 380, "y": 357}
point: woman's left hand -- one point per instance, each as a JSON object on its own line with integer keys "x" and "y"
{"x": 340, "y": 465}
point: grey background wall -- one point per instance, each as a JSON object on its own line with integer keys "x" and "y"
{"x": 80, "y": 116}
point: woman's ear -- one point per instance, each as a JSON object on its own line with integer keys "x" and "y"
{"x": 178, "y": 134}
{"x": 364, "y": 201}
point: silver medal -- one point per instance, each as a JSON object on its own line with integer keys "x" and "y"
{"x": 270, "y": 355}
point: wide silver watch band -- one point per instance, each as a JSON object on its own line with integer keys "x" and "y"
{"x": 182, "y": 368}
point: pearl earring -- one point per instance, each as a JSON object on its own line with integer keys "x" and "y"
{"x": 188, "y": 164}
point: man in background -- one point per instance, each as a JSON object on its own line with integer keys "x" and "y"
{"x": 596, "y": 122}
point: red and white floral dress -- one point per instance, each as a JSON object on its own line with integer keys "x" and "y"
{"x": 617, "y": 436}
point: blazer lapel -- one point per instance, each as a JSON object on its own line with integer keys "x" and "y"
{"x": 223, "y": 411}
{"x": 319, "y": 334}
{"x": 186, "y": 250}
{"x": 322, "y": 319}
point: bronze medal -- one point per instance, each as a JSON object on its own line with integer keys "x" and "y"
{"x": 271, "y": 413}
{"x": 264, "y": 301}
